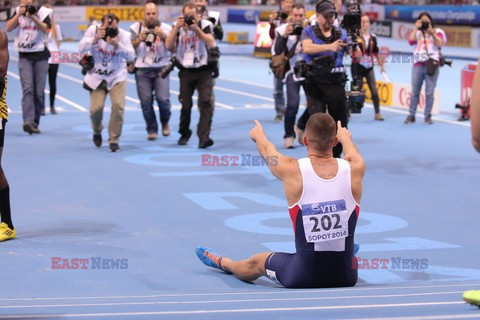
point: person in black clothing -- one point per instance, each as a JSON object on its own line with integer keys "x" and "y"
{"x": 369, "y": 47}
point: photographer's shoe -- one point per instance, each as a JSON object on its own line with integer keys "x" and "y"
{"x": 428, "y": 119}
{"x": 205, "y": 144}
{"x": 52, "y": 110}
{"x": 114, "y": 147}
{"x": 378, "y": 117}
{"x": 165, "y": 129}
{"x": 278, "y": 118}
{"x": 410, "y": 119}
{"x": 152, "y": 136}
{"x": 288, "y": 143}
{"x": 300, "y": 133}
{"x": 97, "y": 140}
{"x": 28, "y": 128}
{"x": 184, "y": 138}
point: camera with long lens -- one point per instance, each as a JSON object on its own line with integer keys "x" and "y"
{"x": 169, "y": 68}
{"x": 31, "y": 9}
{"x": 87, "y": 64}
{"x": 297, "y": 28}
{"x": 424, "y": 25}
{"x": 352, "y": 22}
{"x": 150, "y": 39}
{"x": 189, "y": 20}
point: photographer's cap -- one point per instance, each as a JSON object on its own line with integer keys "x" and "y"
{"x": 325, "y": 8}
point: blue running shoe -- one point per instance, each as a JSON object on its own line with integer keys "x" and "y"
{"x": 209, "y": 257}
{"x": 356, "y": 247}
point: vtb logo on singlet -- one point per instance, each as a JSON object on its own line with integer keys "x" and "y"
{"x": 325, "y": 221}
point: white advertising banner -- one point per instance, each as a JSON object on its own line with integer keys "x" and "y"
{"x": 402, "y": 94}
{"x": 69, "y": 14}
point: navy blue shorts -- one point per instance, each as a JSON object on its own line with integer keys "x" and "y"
{"x": 2, "y": 132}
{"x": 310, "y": 269}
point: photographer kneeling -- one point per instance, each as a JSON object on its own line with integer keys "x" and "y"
{"x": 191, "y": 38}
{"x": 148, "y": 39}
{"x": 428, "y": 42}
{"x": 324, "y": 46}
{"x": 111, "y": 49}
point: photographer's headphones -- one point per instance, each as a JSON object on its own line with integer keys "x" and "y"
{"x": 318, "y": 8}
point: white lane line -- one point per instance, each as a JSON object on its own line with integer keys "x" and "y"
{"x": 279, "y": 292}
{"x": 57, "y": 96}
{"x": 183, "y": 302}
{"x": 249, "y": 310}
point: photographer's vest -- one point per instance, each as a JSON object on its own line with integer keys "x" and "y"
{"x": 191, "y": 51}
{"x": 156, "y": 56}
{"x": 110, "y": 63}
{"x": 316, "y": 40}
{"x": 29, "y": 37}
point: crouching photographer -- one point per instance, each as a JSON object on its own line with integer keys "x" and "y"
{"x": 148, "y": 39}
{"x": 287, "y": 46}
{"x": 324, "y": 47}
{"x": 111, "y": 49}
{"x": 428, "y": 42}
{"x": 191, "y": 38}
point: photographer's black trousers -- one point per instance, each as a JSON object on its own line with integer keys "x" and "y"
{"x": 331, "y": 98}
{"x": 200, "y": 79}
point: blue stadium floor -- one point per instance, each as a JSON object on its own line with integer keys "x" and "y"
{"x": 152, "y": 203}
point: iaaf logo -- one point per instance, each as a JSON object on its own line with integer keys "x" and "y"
{"x": 210, "y": 160}
{"x": 394, "y": 263}
{"x": 92, "y": 263}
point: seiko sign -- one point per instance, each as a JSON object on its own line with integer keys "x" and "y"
{"x": 382, "y": 29}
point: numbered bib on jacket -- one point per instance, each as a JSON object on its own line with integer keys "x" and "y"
{"x": 325, "y": 221}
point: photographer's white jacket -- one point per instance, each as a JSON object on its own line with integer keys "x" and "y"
{"x": 110, "y": 63}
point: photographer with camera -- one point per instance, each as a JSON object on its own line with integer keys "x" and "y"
{"x": 368, "y": 46}
{"x": 33, "y": 27}
{"x": 428, "y": 42}
{"x": 148, "y": 39}
{"x": 110, "y": 48}
{"x": 324, "y": 46}
{"x": 277, "y": 19}
{"x": 191, "y": 37}
{"x": 287, "y": 42}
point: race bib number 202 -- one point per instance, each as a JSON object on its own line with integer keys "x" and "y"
{"x": 325, "y": 221}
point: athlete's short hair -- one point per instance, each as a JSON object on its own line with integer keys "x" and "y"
{"x": 321, "y": 131}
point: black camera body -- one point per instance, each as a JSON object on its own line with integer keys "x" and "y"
{"x": 110, "y": 31}
{"x": 87, "y": 64}
{"x": 189, "y": 20}
{"x": 352, "y": 23}
{"x": 297, "y": 29}
{"x": 31, "y": 9}
{"x": 425, "y": 25}
{"x": 282, "y": 15}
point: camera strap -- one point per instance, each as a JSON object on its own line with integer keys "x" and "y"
{"x": 291, "y": 53}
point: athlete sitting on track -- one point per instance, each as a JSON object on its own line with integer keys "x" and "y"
{"x": 323, "y": 195}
